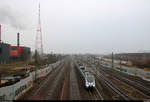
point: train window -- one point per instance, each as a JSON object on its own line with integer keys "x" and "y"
{"x": 90, "y": 79}
{"x": 82, "y": 68}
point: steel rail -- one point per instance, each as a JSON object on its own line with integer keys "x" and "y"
{"x": 45, "y": 81}
{"x": 132, "y": 83}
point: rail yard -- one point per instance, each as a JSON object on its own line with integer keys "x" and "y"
{"x": 74, "y": 50}
{"x": 64, "y": 82}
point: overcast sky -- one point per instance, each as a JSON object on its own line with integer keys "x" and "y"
{"x": 79, "y": 26}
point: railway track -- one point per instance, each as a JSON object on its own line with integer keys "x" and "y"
{"x": 142, "y": 84}
{"x": 74, "y": 88}
{"x": 38, "y": 86}
{"x": 134, "y": 85}
{"x": 95, "y": 94}
{"x": 117, "y": 92}
{"x": 139, "y": 85}
{"x": 66, "y": 85}
{"x": 40, "y": 91}
{"x": 145, "y": 84}
{"x": 55, "y": 84}
{"x": 99, "y": 94}
{"x": 92, "y": 95}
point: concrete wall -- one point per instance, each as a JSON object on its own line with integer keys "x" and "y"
{"x": 134, "y": 71}
{"x": 13, "y": 92}
{"x": 131, "y": 71}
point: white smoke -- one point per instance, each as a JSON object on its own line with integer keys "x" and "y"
{"x": 9, "y": 15}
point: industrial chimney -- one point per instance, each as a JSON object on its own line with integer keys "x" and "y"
{"x": 0, "y": 34}
{"x": 18, "y": 39}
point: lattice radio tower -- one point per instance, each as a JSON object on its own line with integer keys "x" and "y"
{"x": 39, "y": 43}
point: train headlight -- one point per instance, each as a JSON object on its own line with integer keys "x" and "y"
{"x": 87, "y": 84}
{"x": 93, "y": 85}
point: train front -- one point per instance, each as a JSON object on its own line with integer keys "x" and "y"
{"x": 90, "y": 82}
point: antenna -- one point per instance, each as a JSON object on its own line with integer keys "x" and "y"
{"x": 38, "y": 43}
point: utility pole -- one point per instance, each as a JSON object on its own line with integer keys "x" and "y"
{"x": 112, "y": 60}
{"x": 120, "y": 61}
{"x": 36, "y": 63}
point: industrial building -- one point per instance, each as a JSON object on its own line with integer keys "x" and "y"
{"x": 4, "y": 53}
{"x": 9, "y": 53}
{"x": 19, "y": 53}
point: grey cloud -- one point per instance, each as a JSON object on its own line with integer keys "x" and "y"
{"x": 74, "y": 26}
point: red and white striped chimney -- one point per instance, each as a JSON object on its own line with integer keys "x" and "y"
{"x": 18, "y": 39}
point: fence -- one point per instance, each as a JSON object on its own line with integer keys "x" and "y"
{"x": 16, "y": 90}
{"x": 134, "y": 71}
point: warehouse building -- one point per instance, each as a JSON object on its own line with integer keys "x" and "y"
{"x": 4, "y": 53}
{"x": 19, "y": 53}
